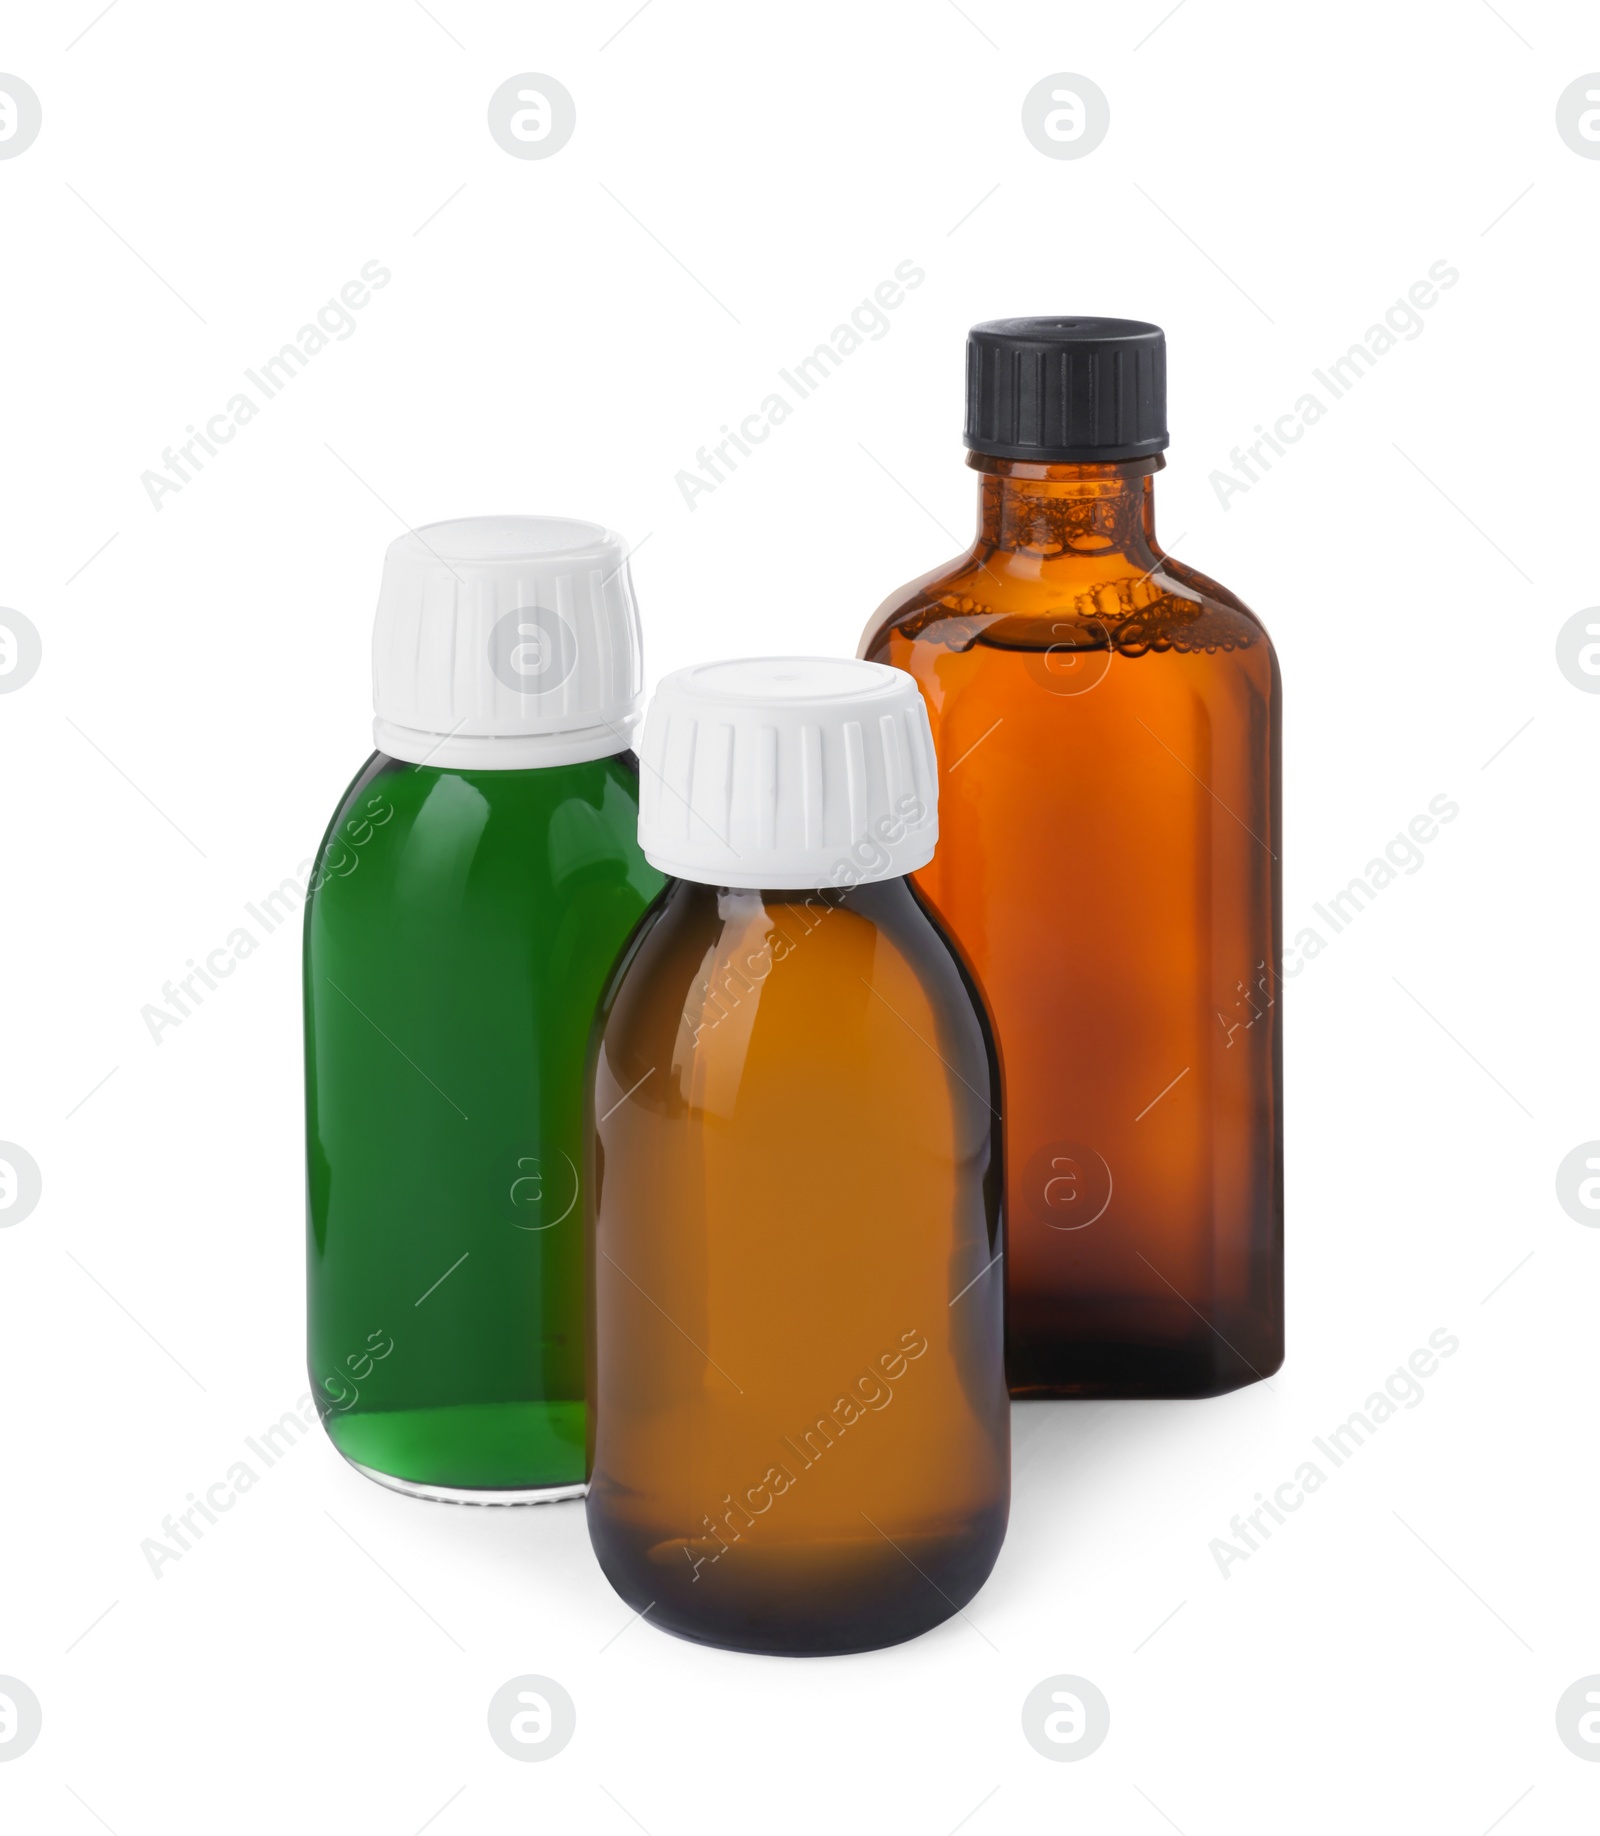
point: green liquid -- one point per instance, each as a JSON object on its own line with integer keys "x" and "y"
{"x": 461, "y": 929}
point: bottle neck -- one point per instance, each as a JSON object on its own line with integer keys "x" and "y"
{"x": 458, "y": 751}
{"x": 1043, "y": 513}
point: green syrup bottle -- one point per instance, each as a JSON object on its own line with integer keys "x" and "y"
{"x": 473, "y": 890}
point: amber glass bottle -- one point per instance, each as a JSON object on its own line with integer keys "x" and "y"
{"x": 799, "y": 1420}
{"x": 1107, "y": 725}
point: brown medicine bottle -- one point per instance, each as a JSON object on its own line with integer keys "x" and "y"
{"x": 1107, "y": 725}
{"x": 800, "y": 1433}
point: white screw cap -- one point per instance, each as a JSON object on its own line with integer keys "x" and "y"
{"x": 505, "y": 642}
{"x": 787, "y": 772}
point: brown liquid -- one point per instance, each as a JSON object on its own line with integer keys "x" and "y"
{"x": 801, "y": 1434}
{"x": 1107, "y": 723}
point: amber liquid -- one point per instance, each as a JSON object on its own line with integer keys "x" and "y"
{"x": 801, "y": 1436}
{"x": 1107, "y": 723}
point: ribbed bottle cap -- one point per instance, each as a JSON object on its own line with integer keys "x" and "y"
{"x": 787, "y": 772}
{"x": 1066, "y": 391}
{"x": 504, "y": 642}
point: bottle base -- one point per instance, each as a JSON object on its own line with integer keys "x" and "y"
{"x": 471, "y": 1495}
{"x": 1069, "y": 1366}
{"x": 787, "y": 1645}
{"x": 469, "y": 1453}
{"x": 833, "y": 1597}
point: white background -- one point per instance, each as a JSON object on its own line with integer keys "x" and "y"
{"x": 1274, "y": 178}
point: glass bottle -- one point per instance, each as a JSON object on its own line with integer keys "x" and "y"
{"x": 801, "y": 1435}
{"x": 469, "y": 900}
{"x": 1107, "y": 722}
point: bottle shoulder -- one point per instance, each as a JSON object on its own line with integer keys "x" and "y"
{"x": 927, "y": 589}
{"x": 1082, "y": 602}
{"x": 691, "y": 918}
{"x": 800, "y": 1007}
{"x": 390, "y": 787}
{"x": 415, "y": 830}
{"x": 811, "y": 964}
